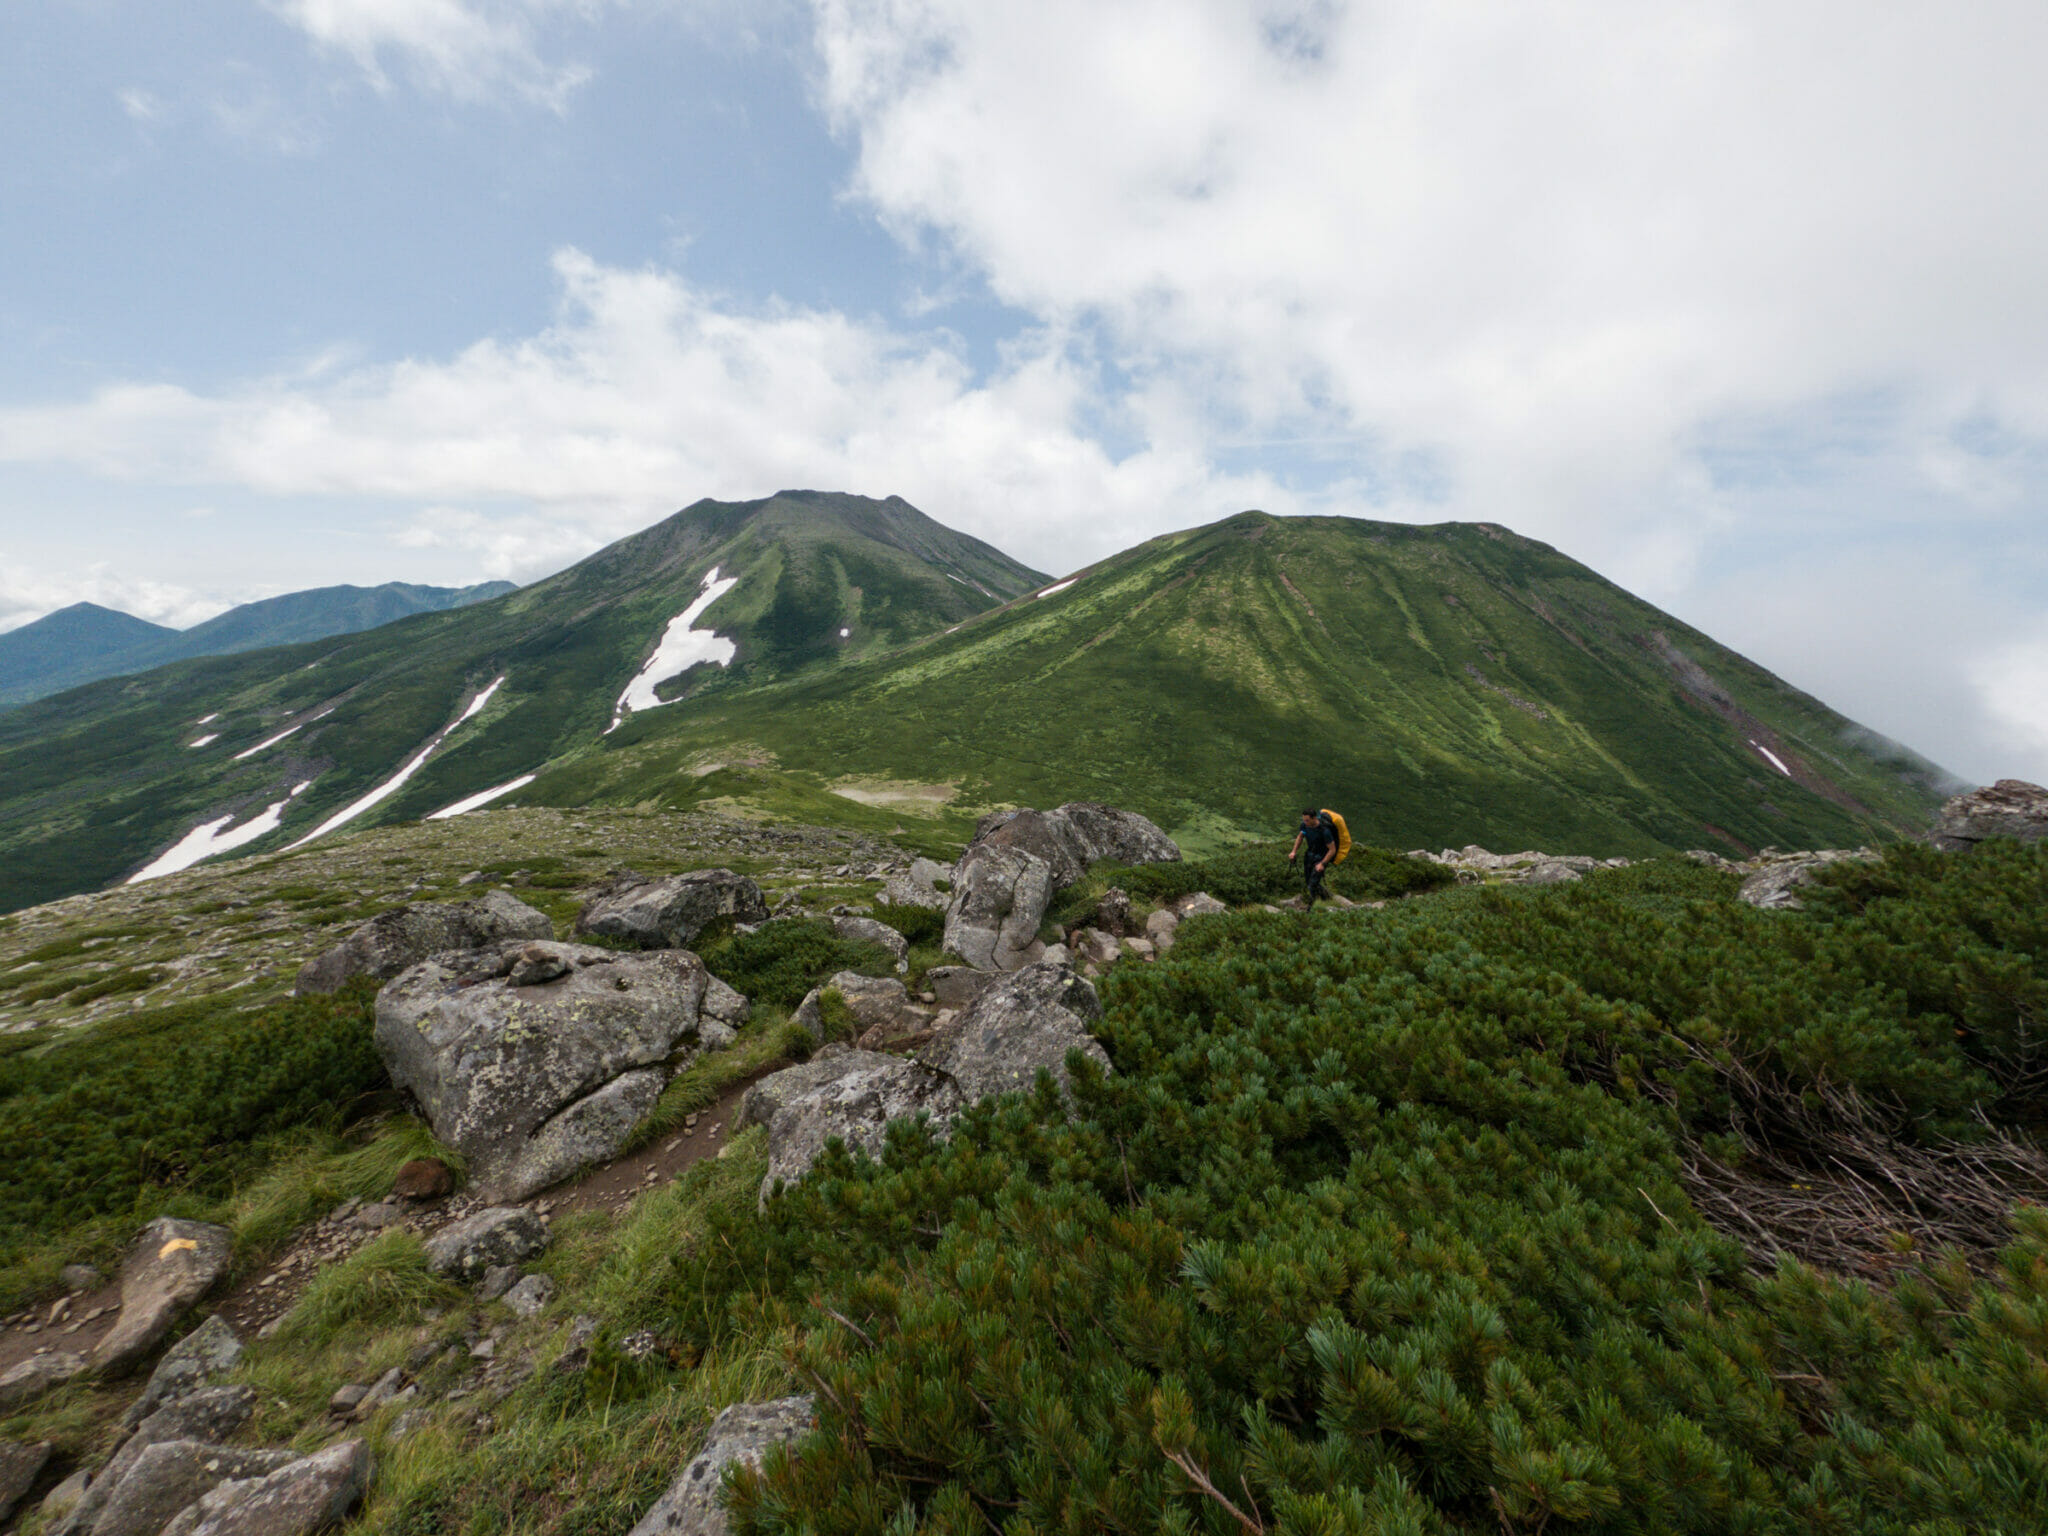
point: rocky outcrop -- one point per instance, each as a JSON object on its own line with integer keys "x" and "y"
{"x": 1475, "y": 865}
{"x": 531, "y": 1081}
{"x": 880, "y": 1008}
{"x": 1000, "y": 895}
{"x": 171, "y": 1475}
{"x": 27, "y": 1380}
{"x": 170, "y": 1264}
{"x": 866, "y": 930}
{"x": 926, "y": 884}
{"x": 955, "y": 986}
{"x": 1024, "y": 1023}
{"x": 2010, "y": 808}
{"x": 208, "y": 1416}
{"x": 195, "y": 1361}
{"x": 855, "y": 1103}
{"x": 404, "y": 936}
{"x": 1017, "y": 862}
{"x": 502, "y": 1235}
{"x": 1017, "y": 1025}
{"x": 1773, "y": 881}
{"x": 742, "y": 1435}
{"x": 670, "y": 913}
{"x": 20, "y": 1466}
{"x": 1077, "y": 835}
{"x": 311, "y": 1493}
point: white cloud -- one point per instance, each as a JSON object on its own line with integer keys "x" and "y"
{"x": 28, "y": 592}
{"x": 647, "y": 393}
{"x": 2012, "y": 682}
{"x": 471, "y": 49}
{"x": 1541, "y": 243}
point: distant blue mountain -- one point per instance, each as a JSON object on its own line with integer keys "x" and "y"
{"x": 86, "y": 642}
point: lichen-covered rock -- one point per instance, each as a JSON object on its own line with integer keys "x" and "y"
{"x": 1076, "y": 835}
{"x": 208, "y": 1416}
{"x": 20, "y": 1466}
{"x": 1550, "y": 872}
{"x": 1775, "y": 885}
{"x": 391, "y": 941}
{"x": 670, "y": 913}
{"x": 1199, "y": 904}
{"x": 867, "y": 930}
{"x": 530, "y": 1296}
{"x": 27, "y": 1380}
{"x": 590, "y": 1131}
{"x": 172, "y": 1474}
{"x": 879, "y": 1006}
{"x": 723, "y": 1005}
{"x": 207, "y": 1352}
{"x": 497, "y": 1236}
{"x": 1000, "y": 895}
{"x": 308, "y": 1494}
{"x": 742, "y": 1435}
{"x": 955, "y": 986}
{"x": 525, "y": 1081}
{"x": 1025, "y": 1022}
{"x": 170, "y": 1264}
{"x": 855, "y": 1103}
{"x": 925, "y": 885}
{"x": 2010, "y": 808}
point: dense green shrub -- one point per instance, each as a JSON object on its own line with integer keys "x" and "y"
{"x": 171, "y": 1097}
{"x": 918, "y": 925}
{"x": 779, "y": 962}
{"x": 1256, "y": 872}
{"x": 1378, "y": 1226}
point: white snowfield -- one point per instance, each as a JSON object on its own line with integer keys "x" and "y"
{"x": 280, "y": 736}
{"x": 210, "y": 838}
{"x": 482, "y": 798}
{"x": 1773, "y": 757}
{"x": 205, "y": 741}
{"x": 1058, "y": 586}
{"x": 844, "y": 633}
{"x": 392, "y": 785}
{"x": 681, "y": 648}
{"x": 269, "y": 742}
{"x": 207, "y": 719}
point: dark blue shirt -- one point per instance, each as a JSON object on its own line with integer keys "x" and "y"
{"x": 1318, "y": 838}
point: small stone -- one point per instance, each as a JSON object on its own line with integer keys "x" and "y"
{"x": 80, "y": 1277}
{"x": 20, "y": 1466}
{"x": 38, "y": 1374}
{"x": 530, "y": 1295}
{"x": 61, "y": 1500}
{"x": 498, "y": 1279}
{"x": 347, "y": 1399}
{"x": 374, "y": 1218}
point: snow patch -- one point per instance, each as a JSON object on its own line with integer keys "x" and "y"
{"x": 207, "y": 719}
{"x": 213, "y": 837}
{"x": 482, "y": 798}
{"x": 681, "y": 648}
{"x": 207, "y": 740}
{"x": 392, "y": 785}
{"x": 1773, "y": 757}
{"x": 1059, "y": 586}
{"x": 844, "y": 633}
{"x": 273, "y": 741}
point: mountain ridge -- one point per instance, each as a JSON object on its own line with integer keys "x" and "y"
{"x": 853, "y": 661}
{"x": 86, "y": 641}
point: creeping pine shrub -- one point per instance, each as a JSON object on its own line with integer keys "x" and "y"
{"x": 171, "y": 1097}
{"x": 1256, "y": 872}
{"x": 1377, "y": 1226}
{"x": 780, "y": 962}
{"x": 918, "y": 925}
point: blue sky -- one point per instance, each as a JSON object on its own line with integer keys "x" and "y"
{"x": 1742, "y": 308}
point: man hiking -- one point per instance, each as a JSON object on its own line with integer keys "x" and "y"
{"x": 1317, "y": 841}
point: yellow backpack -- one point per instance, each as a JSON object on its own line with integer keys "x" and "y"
{"x": 1343, "y": 835}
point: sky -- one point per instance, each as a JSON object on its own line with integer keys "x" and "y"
{"x": 1741, "y": 305}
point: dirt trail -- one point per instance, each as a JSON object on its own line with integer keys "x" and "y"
{"x": 275, "y": 1286}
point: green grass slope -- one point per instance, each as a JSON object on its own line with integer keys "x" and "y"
{"x": 1439, "y": 685}
{"x": 97, "y": 781}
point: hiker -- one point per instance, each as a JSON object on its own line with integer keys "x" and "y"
{"x": 1317, "y": 840}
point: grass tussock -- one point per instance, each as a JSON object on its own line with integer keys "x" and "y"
{"x": 384, "y": 1282}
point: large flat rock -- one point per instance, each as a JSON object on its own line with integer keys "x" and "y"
{"x": 170, "y": 1264}
{"x": 391, "y": 941}
{"x": 670, "y": 913}
{"x": 498, "y": 1045}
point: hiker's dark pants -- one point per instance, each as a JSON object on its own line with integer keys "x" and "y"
{"x": 1312, "y": 877}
